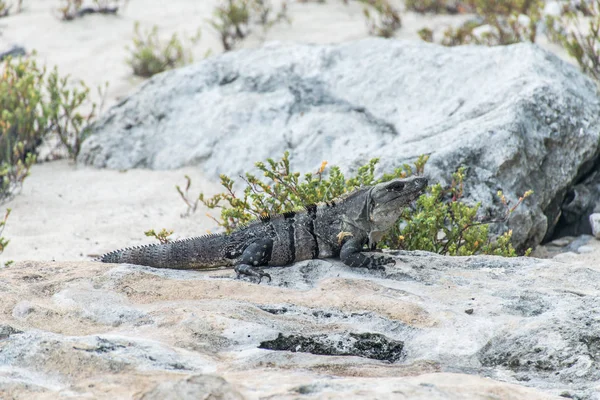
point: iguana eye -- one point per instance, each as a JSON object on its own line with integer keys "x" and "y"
{"x": 395, "y": 186}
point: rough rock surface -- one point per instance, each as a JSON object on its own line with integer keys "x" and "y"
{"x": 431, "y": 327}
{"x": 517, "y": 116}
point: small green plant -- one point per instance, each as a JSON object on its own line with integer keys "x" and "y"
{"x": 23, "y": 122}
{"x": 426, "y": 35}
{"x": 386, "y": 19}
{"x": 6, "y": 7}
{"x": 71, "y": 9}
{"x": 162, "y": 236}
{"x": 35, "y": 104}
{"x": 3, "y": 241}
{"x": 64, "y": 99}
{"x": 192, "y": 205}
{"x": 499, "y": 22}
{"x": 443, "y": 224}
{"x": 263, "y": 11}
{"x": 436, "y": 6}
{"x": 440, "y": 222}
{"x": 150, "y": 56}
{"x": 581, "y": 44}
{"x": 231, "y": 20}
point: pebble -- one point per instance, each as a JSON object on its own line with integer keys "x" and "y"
{"x": 565, "y": 256}
{"x": 562, "y": 242}
{"x": 585, "y": 249}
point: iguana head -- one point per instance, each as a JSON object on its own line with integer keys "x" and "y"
{"x": 374, "y": 210}
{"x": 388, "y": 199}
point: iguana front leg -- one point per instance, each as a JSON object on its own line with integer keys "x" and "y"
{"x": 351, "y": 254}
{"x": 256, "y": 255}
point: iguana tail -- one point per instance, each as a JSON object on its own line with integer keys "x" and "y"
{"x": 193, "y": 253}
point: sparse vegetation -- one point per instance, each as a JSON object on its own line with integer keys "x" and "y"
{"x": 437, "y": 6}
{"x": 22, "y": 122}
{"x": 582, "y": 43}
{"x": 440, "y": 223}
{"x": 162, "y": 236}
{"x": 498, "y": 22}
{"x": 426, "y": 34}
{"x": 69, "y": 125}
{"x": 6, "y": 7}
{"x": 3, "y": 241}
{"x": 443, "y": 224}
{"x": 192, "y": 205}
{"x": 149, "y": 55}
{"x": 264, "y": 13}
{"x": 232, "y": 19}
{"x": 36, "y": 104}
{"x": 384, "y": 21}
{"x": 71, "y": 9}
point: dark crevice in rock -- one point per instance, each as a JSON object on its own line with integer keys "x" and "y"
{"x": 367, "y": 345}
{"x": 577, "y": 202}
{"x": 384, "y": 126}
{"x": 103, "y": 346}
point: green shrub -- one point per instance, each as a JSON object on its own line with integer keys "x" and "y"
{"x": 192, "y": 205}
{"x": 231, "y": 21}
{"x": 232, "y": 18}
{"x": 584, "y": 45}
{"x": 36, "y": 104}
{"x": 162, "y": 236}
{"x": 150, "y": 56}
{"x": 436, "y": 6}
{"x": 3, "y": 241}
{"x": 262, "y": 10}
{"x": 440, "y": 223}
{"x": 6, "y": 7}
{"x": 60, "y": 109}
{"x": 23, "y": 122}
{"x": 426, "y": 34}
{"x": 71, "y": 9}
{"x": 509, "y": 21}
{"x": 386, "y": 19}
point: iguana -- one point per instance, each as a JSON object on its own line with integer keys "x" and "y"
{"x": 338, "y": 228}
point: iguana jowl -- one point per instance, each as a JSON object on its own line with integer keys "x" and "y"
{"x": 338, "y": 228}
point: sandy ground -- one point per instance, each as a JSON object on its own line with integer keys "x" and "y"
{"x": 67, "y": 212}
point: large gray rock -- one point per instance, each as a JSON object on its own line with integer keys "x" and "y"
{"x": 517, "y": 116}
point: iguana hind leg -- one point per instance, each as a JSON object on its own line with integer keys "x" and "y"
{"x": 254, "y": 256}
{"x": 351, "y": 254}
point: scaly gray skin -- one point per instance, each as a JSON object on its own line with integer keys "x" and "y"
{"x": 338, "y": 228}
